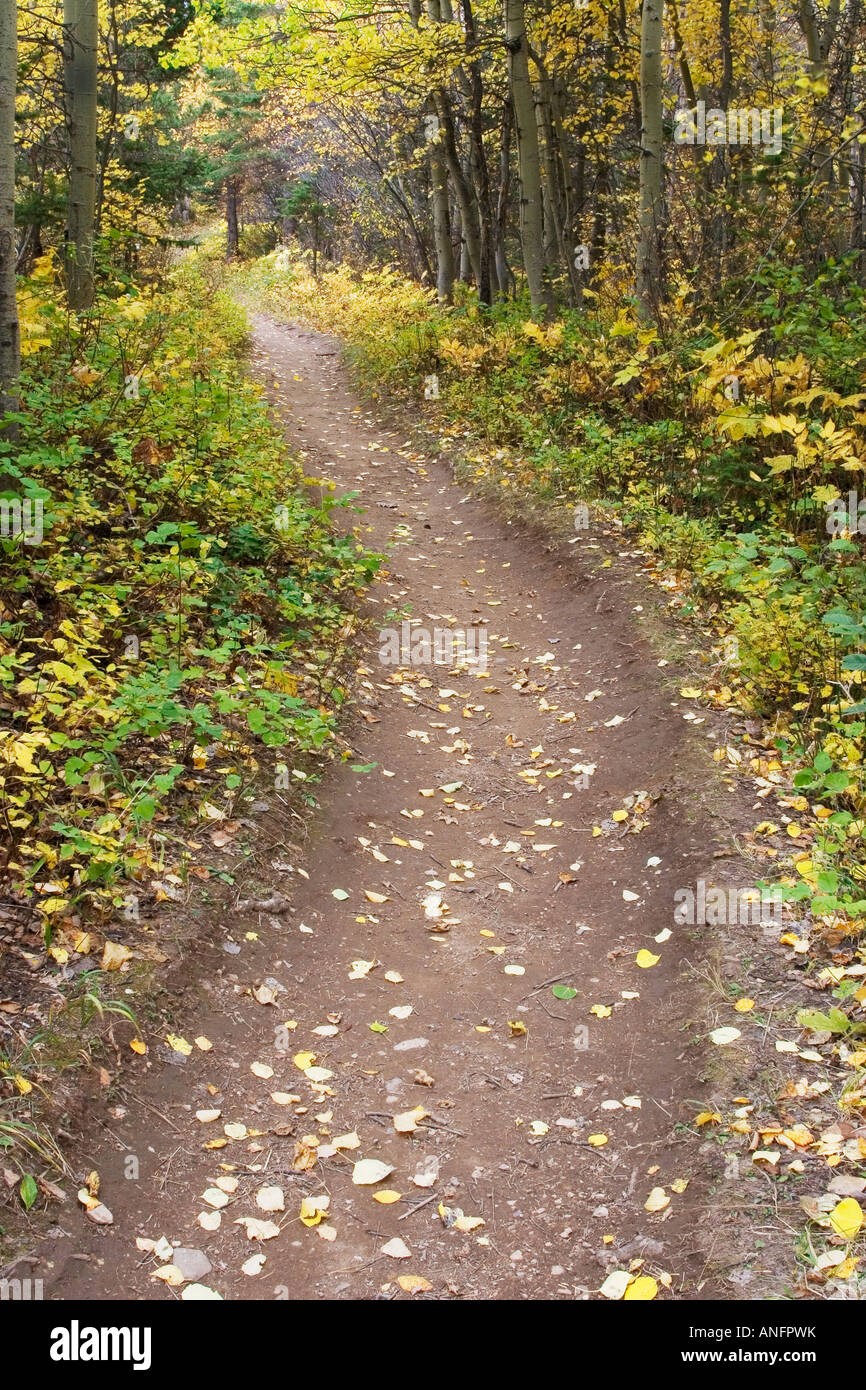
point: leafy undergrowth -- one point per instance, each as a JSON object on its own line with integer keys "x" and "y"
{"x": 727, "y": 457}
{"x": 176, "y": 615}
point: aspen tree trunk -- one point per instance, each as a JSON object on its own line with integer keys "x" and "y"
{"x": 445, "y": 269}
{"x": 503, "y": 271}
{"x": 571, "y": 191}
{"x": 233, "y": 237}
{"x": 488, "y": 283}
{"x": 460, "y": 184}
{"x": 602, "y": 190}
{"x": 441, "y": 11}
{"x": 651, "y": 216}
{"x": 528, "y": 155}
{"x": 9, "y": 336}
{"x": 81, "y": 40}
{"x": 439, "y": 207}
{"x": 556, "y": 185}
{"x": 819, "y": 42}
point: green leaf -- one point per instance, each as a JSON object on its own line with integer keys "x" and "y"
{"x": 837, "y": 781}
{"x": 563, "y": 992}
{"x": 28, "y": 1190}
{"x": 819, "y": 1023}
{"x": 839, "y": 1022}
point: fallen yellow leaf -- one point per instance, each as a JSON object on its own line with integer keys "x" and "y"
{"x": 641, "y": 1289}
{"x": 847, "y": 1218}
{"x": 645, "y": 959}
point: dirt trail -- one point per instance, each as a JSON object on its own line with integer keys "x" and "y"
{"x": 510, "y": 1114}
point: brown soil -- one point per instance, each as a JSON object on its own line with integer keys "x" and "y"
{"x": 510, "y": 1113}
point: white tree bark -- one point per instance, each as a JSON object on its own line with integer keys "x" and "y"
{"x": 528, "y": 155}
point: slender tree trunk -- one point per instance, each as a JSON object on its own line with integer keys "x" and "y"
{"x": 488, "y": 283}
{"x": 233, "y": 238}
{"x": 464, "y": 274}
{"x": 571, "y": 184}
{"x": 557, "y": 185}
{"x": 855, "y": 169}
{"x": 9, "y": 335}
{"x": 651, "y": 217}
{"x": 407, "y": 199}
{"x": 441, "y": 11}
{"x": 112, "y": 51}
{"x": 704, "y": 183}
{"x": 445, "y": 269}
{"x": 548, "y": 178}
{"x": 624, "y": 44}
{"x": 528, "y": 156}
{"x": 717, "y": 174}
{"x": 819, "y": 42}
{"x": 80, "y": 44}
{"x": 503, "y": 271}
{"x": 460, "y": 184}
{"x": 442, "y": 246}
{"x": 602, "y": 192}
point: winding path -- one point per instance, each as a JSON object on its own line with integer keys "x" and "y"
{"x": 550, "y": 1118}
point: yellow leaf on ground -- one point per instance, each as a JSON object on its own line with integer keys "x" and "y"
{"x": 114, "y": 956}
{"x": 313, "y": 1209}
{"x": 414, "y": 1283}
{"x": 641, "y": 1289}
{"x": 645, "y": 959}
{"x": 847, "y": 1218}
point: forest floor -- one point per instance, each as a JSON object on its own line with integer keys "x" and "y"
{"x": 551, "y": 1118}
